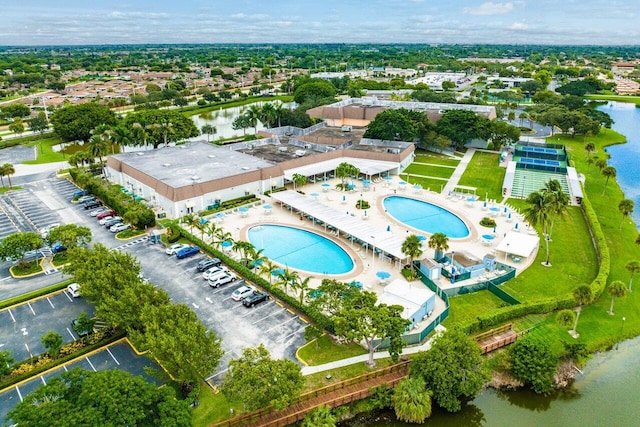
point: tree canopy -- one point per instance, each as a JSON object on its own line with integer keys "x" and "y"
{"x": 104, "y": 398}
{"x": 155, "y": 127}
{"x": 76, "y": 122}
{"x": 533, "y": 363}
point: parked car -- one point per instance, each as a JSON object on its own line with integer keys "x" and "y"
{"x": 241, "y": 292}
{"x": 105, "y": 214}
{"x": 86, "y": 198}
{"x": 171, "y": 250}
{"x": 187, "y": 252}
{"x": 113, "y": 221}
{"x": 103, "y": 220}
{"x": 119, "y": 227}
{"x": 80, "y": 193}
{"x": 44, "y": 231}
{"x": 255, "y": 298}
{"x": 74, "y": 290}
{"x": 206, "y": 264}
{"x": 57, "y": 248}
{"x": 214, "y": 271}
{"x": 82, "y": 332}
{"x": 92, "y": 204}
{"x": 222, "y": 279}
{"x": 98, "y": 211}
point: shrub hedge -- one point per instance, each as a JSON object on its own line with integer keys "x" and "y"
{"x": 230, "y": 204}
{"x": 316, "y": 316}
{"x": 597, "y": 286}
{"x": 35, "y": 294}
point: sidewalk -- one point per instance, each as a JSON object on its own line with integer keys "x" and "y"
{"x": 457, "y": 174}
{"x": 25, "y": 170}
{"x": 308, "y": 370}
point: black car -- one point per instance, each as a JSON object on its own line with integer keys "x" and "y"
{"x": 92, "y": 204}
{"x": 255, "y": 298}
{"x": 206, "y": 264}
{"x": 113, "y": 221}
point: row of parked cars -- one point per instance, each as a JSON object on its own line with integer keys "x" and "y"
{"x": 105, "y": 216}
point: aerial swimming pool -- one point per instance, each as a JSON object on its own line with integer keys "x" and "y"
{"x": 300, "y": 249}
{"x": 425, "y": 216}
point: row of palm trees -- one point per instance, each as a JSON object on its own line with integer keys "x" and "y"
{"x": 251, "y": 257}
{"x": 269, "y": 114}
{"x": 7, "y": 170}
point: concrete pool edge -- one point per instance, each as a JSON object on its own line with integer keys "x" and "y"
{"x": 358, "y": 262}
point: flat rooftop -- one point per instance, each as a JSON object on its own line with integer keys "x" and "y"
{"x": 186, "y": 164}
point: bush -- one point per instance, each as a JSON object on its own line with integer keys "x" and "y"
{"x": 488, "y": 222}
{"x": 173, "y": 234}
{"x": 362, "y": 204}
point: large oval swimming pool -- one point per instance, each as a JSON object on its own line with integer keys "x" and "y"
{"x": 425, "y": 216}
{"x": 300, "y": 249}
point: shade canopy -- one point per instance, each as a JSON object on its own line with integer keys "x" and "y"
{"x": 383, "y": 274}
{"x": 519, "y": 244}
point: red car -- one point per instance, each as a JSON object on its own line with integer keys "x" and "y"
{"x": 105, "y": 214}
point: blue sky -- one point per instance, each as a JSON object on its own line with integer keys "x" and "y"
{"x": 38, "y": 22}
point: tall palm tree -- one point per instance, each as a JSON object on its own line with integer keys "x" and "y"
{"x": 632, "y": 267}
{"x": 616, "y": 289}
{"x": 608, "y": 172}
{"x": 121, "y": 136}
{"x": 209, "y": 130}
{"x": 298, "y": 180}
{"x": 256, "y": 258}
{"x": 201, "y": 226}
{"x": 99, "y": 147}
{"x": 626, "y": 208}
{"x": 279, "y": 109}
{"x": 8, "y": 170}
{"x": 412, "y": 247}
{"x": 268, "y": 114}
{"x": 439, "y": 242}
{"x": 302, "y": 286}
{"x": 411, "y": 400}
{"x": 590, "y": 147}
{"x": 287, "y": 278}
{"x": 566, "y": 318}
{"x": 557, "y": 199}
{"x": 538, "y": 212}
{"x": 140, "y": 132}
{"x": 253, "y": 116}
{"x": 582, "y": 295}
{"x": 243, "y": 248}
{"x": 211, "y": 229}
{"x": 601, "y": 164}
{"x": 222, "y": 236}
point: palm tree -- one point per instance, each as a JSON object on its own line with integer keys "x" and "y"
{"x": 209, "y": 130}
{"x": 190, "y": 219}
{"x": 616, "y": 289}
{"x": 267, "y": 267}
{"x": 120, "y": 135}
{"x": 532, "y": 118}
{"x": 557, "y": 199}
{"x": 601, "y": 164}
{"x": 98, "y": 147}
{"x": 632, "y": 267}
{"x": 139, "y": 132}
{"x": 2, "y": 175}
{"x": 590, "y": 147}
{"x": 298, "y": 179}
{"x": 322, "y": 416}
{"x": 608, "y": 172}
{"x": 7, "y": 170}
{"x": 412, "y": 247}
{"x": 440, "y": 243}
{"x": 582, "y": 295}
{"x": 302, "y": 286}
{"x": 268, "y": 114}
{"x": 286, "y": 278}
{"x": 222, "y": 236}
{"x": 201, "y": 225}
{"x": 243, "y": 249}
{"x": 411, "y": 400}
{"x": 566, "y": 318}
{"x": 539, "y": 212}
{"x": 253, "y": 116}
{"x": 211, "y": 229}
{"x": 626, "y": 208}
{"x": 522, "y": 117}
{"x": 256, "y": 257}
{"x": 279, "y": 109}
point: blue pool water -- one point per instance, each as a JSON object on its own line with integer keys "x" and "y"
{"x": 300, "y": 249}
{"x": 425, "y": 216}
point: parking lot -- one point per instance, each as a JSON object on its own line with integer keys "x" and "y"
{"x": 22, "y": 326}
{"x": 268, "y": 323}
{"x": 119, "y": 355}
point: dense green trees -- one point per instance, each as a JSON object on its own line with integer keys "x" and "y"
{"x": 391, "y": 125}
{"x": 412, "y": 247}
{"x": 453, "y": 369}
{"x": 76, "y": 122}
{"x": 105, "y": 398}
{"x": 157, "y": 127}
{"x": 258, "y": 380}
{"x": 533, "y": 363}
{"x": 15, "y": 245}
{"x": 14, "y": 110}
{"x": 412, "y": 401}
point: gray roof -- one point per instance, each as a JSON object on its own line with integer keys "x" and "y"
{"x": 183, "y": 165}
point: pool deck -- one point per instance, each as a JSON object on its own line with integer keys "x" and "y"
{"x": 366, "y": 266}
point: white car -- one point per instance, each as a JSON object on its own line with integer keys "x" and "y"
{"x": 242, "y": 292}
{"x": 74, "y": 290}
{"x": 171, "y": 250}
{"x": 213, "y": 271}
{"x": 98, "y": 211}
{"x": 119, "y": 227}
{"x": 44, "y": 231}
{"x": 105, "y": 219}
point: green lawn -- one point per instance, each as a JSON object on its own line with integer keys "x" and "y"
{"x": 427, "y": 183}
{"x": 466, "y": 308}
{"x": 621, "y": 98}
{"x": 484, "y": 173}
{"x": 327, "y": 351}
{"x": 214, "y": 407}
{"x": 45, "y": 151}
{"x": 436, "y": 159}
{"x": 435, "y": 171}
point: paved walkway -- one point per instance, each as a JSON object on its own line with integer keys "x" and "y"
{"x": 24, "y": 170}
{"x": 308, "y": 370}
{"x": 457, "y": 174}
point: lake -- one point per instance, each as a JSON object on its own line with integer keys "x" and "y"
{"x": 608, "y": 391}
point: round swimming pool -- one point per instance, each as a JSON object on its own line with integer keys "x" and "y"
{"x": 425, "y": 216}
{"x": 300, "y": 249}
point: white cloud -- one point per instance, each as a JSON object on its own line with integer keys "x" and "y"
{"x": 282, "y": 24}
{"x": 489, "y": 8}
{"x": 518, "y": 26}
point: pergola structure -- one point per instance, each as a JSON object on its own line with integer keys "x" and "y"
{"x": 354, "y": 226}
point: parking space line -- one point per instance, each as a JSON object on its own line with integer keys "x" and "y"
{"x": 254, "y": 309}
{"x": 50, "y": 303}
{"x": 11, "y": 314}
{"x": 19, "y": 394}
{"x": 43, "y": 381}
{"x": 113, "y": 357}
{"x": 266, "y": 317}
{"x": 216, "y": 374}
{"x": 71, "y": 333}
{"x": 91, "y": 364}
{"x": 31, "y": 308}
{"x": 284, "y": 323}
{"x": 228, "y": 298}
{"x": 293, "y": 333}
{"x": 67, "y": 295}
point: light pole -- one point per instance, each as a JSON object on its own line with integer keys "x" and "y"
{"x": 621, "y": 332}
{"x": 373, "y": 252}
{"x": 506, "y": 254}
